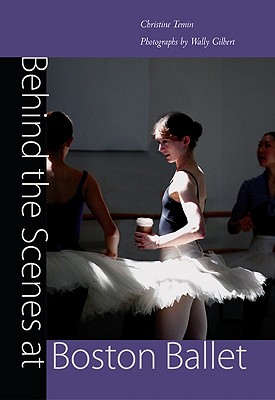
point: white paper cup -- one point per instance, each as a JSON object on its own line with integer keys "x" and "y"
{"x": 144, "y": 225}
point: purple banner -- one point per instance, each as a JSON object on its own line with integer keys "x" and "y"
{"x": 141, "y": 28}
{"x": 160, "y": 370}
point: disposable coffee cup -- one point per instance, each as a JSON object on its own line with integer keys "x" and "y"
{"x": 144, "y": 225}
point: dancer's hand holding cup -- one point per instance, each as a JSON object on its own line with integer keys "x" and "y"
{"x": 144, "y": 236}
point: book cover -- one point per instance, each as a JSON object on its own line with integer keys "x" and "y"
{"x": 159, "y": 46}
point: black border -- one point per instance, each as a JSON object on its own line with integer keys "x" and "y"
{"x": 30, "y": 382}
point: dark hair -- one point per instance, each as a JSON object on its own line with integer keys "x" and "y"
{"x": 271, "y": 134}
{"x": 176, "y": 125}
{"x": 59, "y": 129}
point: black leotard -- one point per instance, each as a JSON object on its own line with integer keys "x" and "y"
{"x": 64, "y": 221}
{"x": 172, "y": 216}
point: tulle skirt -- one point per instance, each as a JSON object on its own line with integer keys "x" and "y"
{"x": 143, "y": 286}
{"x": 259, "y": 257}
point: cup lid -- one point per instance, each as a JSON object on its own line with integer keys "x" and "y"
{"x": 142, "y": 221}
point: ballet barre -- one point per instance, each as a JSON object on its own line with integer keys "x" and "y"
{"x": 133, "y": 216}
{"x": 207, "y": 215}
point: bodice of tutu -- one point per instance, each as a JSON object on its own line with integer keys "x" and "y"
{"x": 192, "y": 250}
{"x": 254, "y": 197}
{"x": 64, "y": 221}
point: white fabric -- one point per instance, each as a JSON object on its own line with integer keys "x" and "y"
{"x": 143, "y": 286}
{"x": 259, "y": 256}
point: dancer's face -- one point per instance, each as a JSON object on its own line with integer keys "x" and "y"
{"x": 171, "y": 149}
{"x": 266, "y": 151}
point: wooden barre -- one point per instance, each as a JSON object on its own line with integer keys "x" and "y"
{"x": 132, "y": 216}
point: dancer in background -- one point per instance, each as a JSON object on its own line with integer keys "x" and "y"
{"x": 115, "y": 284}
{"x": 68, "y": 190}
{"x": 254, "y": 211}
{"x": 180, "y": 229}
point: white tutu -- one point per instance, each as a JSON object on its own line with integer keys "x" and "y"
{"x": 259, "y": 257}
{"x": 143, "y": 286}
